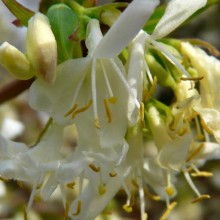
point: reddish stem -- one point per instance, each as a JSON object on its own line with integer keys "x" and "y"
{"x": 13, "y": 89}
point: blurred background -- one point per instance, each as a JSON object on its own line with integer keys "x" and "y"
{"x": 15, "y": 116}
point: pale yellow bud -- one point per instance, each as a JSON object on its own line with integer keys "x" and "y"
{"x": 15, "y": 62}
{"x": 42, "y": 47}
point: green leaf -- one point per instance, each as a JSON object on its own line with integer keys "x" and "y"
{"x": 154, "y": 19}
{"x": 64, "y": 22}
{"x": 22, "y": 13}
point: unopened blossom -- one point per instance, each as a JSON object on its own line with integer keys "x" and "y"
{"x": 41, "y": 56}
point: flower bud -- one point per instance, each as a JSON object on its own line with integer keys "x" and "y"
{"x": 42, "y": 47}
{"x": 15, "y": 62}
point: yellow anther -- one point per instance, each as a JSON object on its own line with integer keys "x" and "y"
{"x": 168, "y": 210}
{"x": 83, "y": 109}
{"x": 200, "y": 137}
{"x": 78, "y": 208}
{"x": 192, "y": 78}
{"x": 102, "y": 189}
{"x": 134, "y": 183}
{"x": 112, "y": 174}
{"x": 112, "y": 100}
{"x": 66, "y": 211}
{"x": 107, "y": 110}
{"x": 195, "y": 152}
{"x": 71, "y": 185}
{"x": 200, "y": 198}
{"x": 144, "y": 217}
{"x": 151, "y": 196}
{"x": 147, "y": 95}
{"x": 94, "y": 168}
{"x": 127, "y": 208}
{"x": 170, "y": 191}
{"x": 97, "y": 123}
{"x": 71, "y": 110}
{"x": 202, "y": 174}
{"x": 20, "y": 183}
{"x": 207, "y": 129}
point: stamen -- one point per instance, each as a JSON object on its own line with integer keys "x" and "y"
{"x": 192, "y": 78}
{"x": 71, "y": 185}
{"x": 113, "y": 174}
{"x": 71, "y": 110}
{"x": 83, "y": 109}
{"x": 142, "y": 199}
{"x": 106, "y": 80}
{"x": 170, "y": 57}
{"x": 94, "y": 94}
{"x": 200, "y": 135}
{"x": 190, "y": 182}
{"x": 125, "y": 83}
{"x": 206, "y": 128}
{"x": 200, "y": 198}
{"x": 147, "y": 95}
{"x": 168, "y": 210}
{"x": 148, "y": 72}
{"x": 112, "y": 99}
{"x": 169, "y": 189}
{"x": 78, "y": 208}
{"x": 151, "y": 196}
{"x": 107, "y": 110}
{"x": 195, "y": 152}
{"x": 202, "y": 174}
{"x": 102, "y": 189}
{"x": 97, "y": 123}
{"x": 127, "y": 208}
{"x": 94, "y": 168}
{"x": 199, "y": 173}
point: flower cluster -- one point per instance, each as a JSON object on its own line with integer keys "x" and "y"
{"x": 128, "y": 138}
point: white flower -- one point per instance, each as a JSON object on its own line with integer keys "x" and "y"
{"x": 96, "y": 85}
{"x": 19, "y": 162}
{"x": 177, "y": 12}
{"x": 207, "y": 67}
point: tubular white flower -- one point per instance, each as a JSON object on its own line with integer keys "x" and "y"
{"x": 209, "y": 68}
{"x": 93, "y": 93}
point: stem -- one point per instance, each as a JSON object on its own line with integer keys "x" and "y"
{"x": 13, "y": 89}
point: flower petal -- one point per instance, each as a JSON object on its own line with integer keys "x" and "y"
{"x": 177, "y": 12}
{"x": 125, "y": 28}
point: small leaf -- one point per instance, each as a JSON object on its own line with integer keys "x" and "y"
{"x": 22, "y": 13}
{"x": 154, "y": 19}
{"x": 64, "y": 22}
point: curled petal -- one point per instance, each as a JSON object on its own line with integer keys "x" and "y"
{"x": 125, "y": 28}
